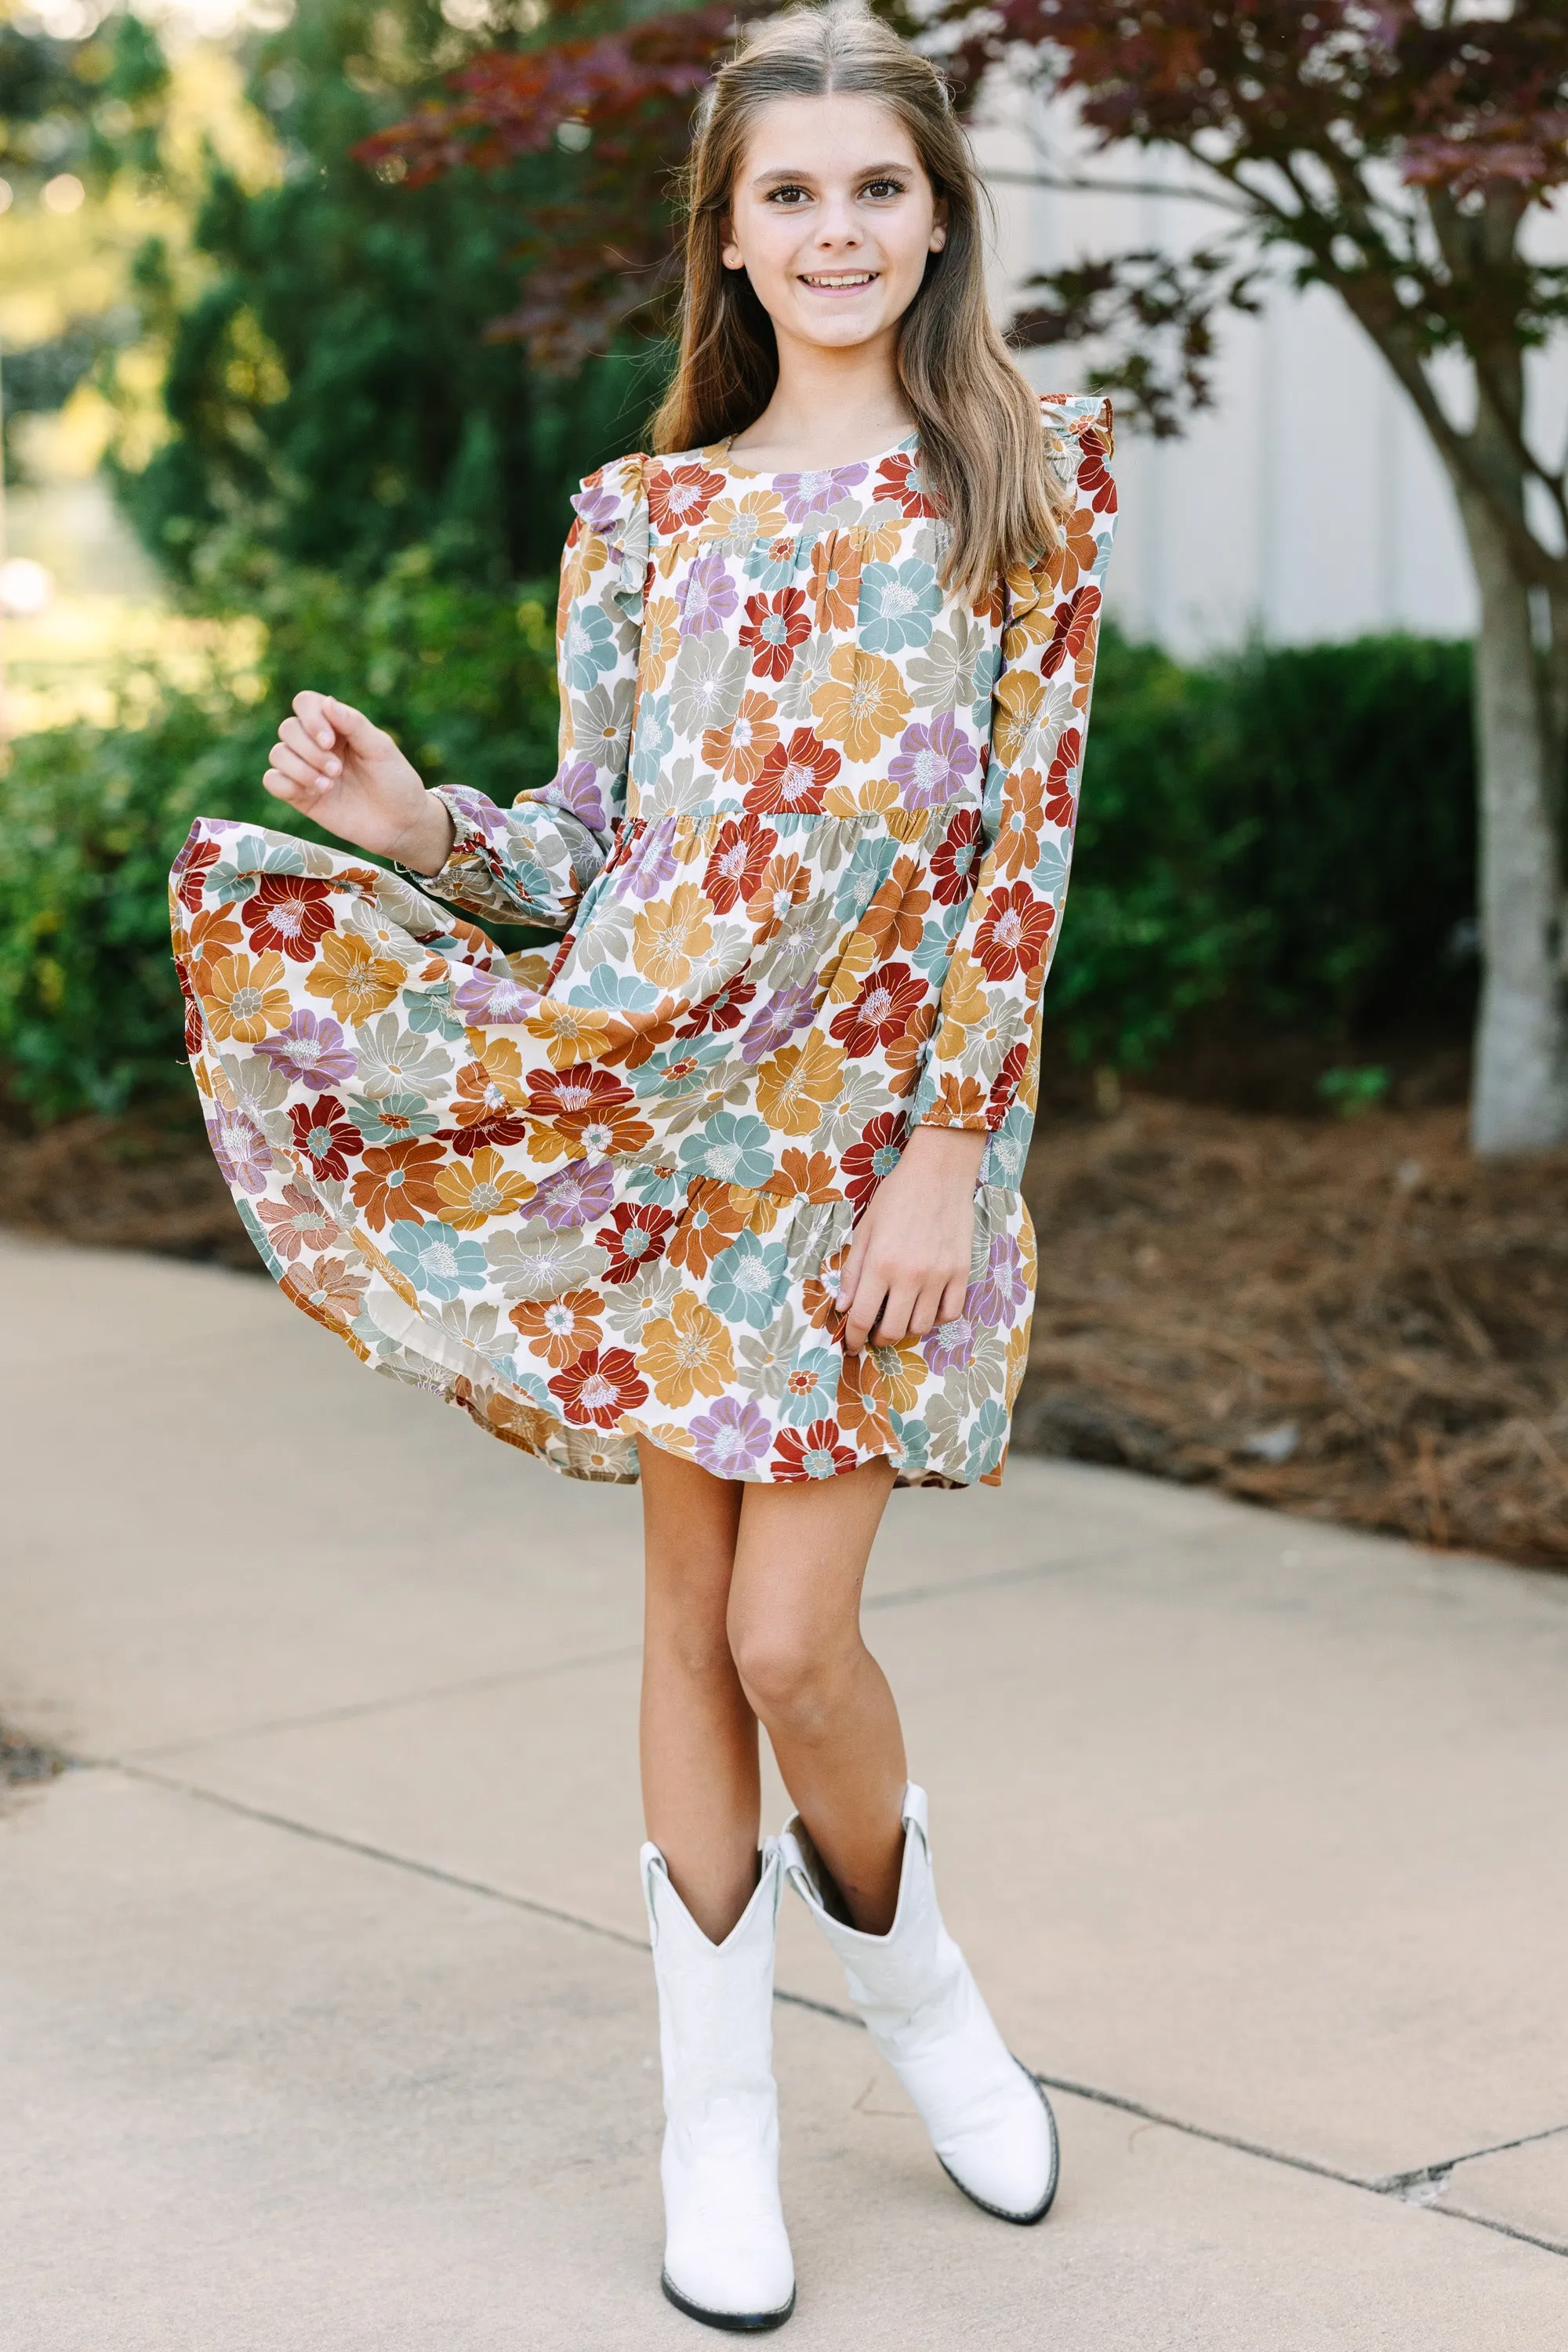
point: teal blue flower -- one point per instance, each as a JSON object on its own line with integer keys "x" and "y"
{"x": 617, "y": 992}
{"x": 437, "y": 1259}
{"x": 868, "y": 869}
{"x": 987, "y": 670}
{"x": 682, "y": 1069}
{"x": 1050, "y": 875}
{"x": 428, "y": 1010}
{"x": 655, "y": 740}
{"x": 898, "y": 605}
{"x": 734, "y": 1147}
{"x": 748, "y": 1280}
{"x": 811, "y": 1387}
{"x": 390, "y": 1118}
{"x": 986, "y": 1438}
{"x": 662, "y": 1186}
{"x": 914, "y": 1440}
{"x": 588, "y": 647}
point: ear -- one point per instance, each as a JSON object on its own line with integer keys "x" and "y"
{"x": 730, "y": 253}
{"x": 939, "y": 224}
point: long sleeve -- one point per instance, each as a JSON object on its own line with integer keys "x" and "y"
{"x": 531, "y": 862}
{"x": 987, "y": 1034}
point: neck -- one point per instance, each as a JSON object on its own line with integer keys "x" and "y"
{"x": 828, "y": 407}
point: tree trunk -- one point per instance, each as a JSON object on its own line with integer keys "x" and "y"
{"x": 1519, "y": 1095}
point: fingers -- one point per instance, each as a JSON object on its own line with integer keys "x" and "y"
{"x": 351, "y": 726}
{"x": 298, "y": 754}
{"x": 951, "y": 1306}
{"x": 862, "y": 1307}
{"x": 893, "y": 1323}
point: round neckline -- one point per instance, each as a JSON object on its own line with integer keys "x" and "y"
{"x": 798, "y": 473}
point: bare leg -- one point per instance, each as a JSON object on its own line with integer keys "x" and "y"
{"x": 795, "y": 1633}
{"x": 701, "y": 1794}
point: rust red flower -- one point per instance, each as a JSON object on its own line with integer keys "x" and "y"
{"x": 888, "y": 998}
{"x": 736, "y": 865}
{"x": 773, "y": 626}
{"x": 289, "y": 912}
{"x": 818, "y": 1451}
{"x": 325, "y": 1137}
{"x": 599, "y": 1388}
{"x": 1016, "y": 931}
{"x": 634, "y": 1237}
{"x": 795, "y": 775}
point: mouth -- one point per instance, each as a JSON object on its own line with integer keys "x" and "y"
{"x": 839, "y": 281}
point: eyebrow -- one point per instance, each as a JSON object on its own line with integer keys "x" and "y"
{"x": 867, "y": 172}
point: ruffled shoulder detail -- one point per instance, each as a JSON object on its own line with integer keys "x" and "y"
{"x": 1081, "y": 436}
{"x": 612, "y": 504}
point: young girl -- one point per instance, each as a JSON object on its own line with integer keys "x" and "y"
{"x": 725, "y": 1195}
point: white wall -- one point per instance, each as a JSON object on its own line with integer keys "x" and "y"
{"x": 1308, "y": 503}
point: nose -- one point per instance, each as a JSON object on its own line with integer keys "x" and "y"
{"x": 838, "y": 227}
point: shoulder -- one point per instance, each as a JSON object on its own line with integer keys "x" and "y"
{"x": 609, "y": 499}
{"x": 1074, "y": 419}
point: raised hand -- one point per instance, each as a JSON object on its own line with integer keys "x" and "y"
{"x": 907, "y": 1268}
{"x": 335, "y": 765}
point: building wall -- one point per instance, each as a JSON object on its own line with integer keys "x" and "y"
{"x": 1308, "y": 503}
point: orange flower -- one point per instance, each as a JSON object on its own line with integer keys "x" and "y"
{"x": 737, "y": 752}
{"x": 326, "y": 1290}
{"x": 800, "y": 1179}
{"x": 834, "y": 580}
{"x": 398, "y": 1180}
{"x": 560, "y": 1329}
{"x": 680, "y": 496}
{"x": 213, "y": 933}
{"x": 358, "y": 982}
{"x": 895, "y": 916}
{"x": 784, "y": 885}
{"x": 475, "y": 1190}
{"x": 244, "y": 997}
{"x": 964, "y": 1004}
{"x": 795, "y": 1088}
{"x": 709, "y": 1224}
{"x": 687, "y": 1351}
{"x": 1017, "y": 842}
{"x": 863, "y": 1403}
{"x": 961, "y": 1103}
{"x": 863, "y": 704}
{"x": 492, "y": 1083}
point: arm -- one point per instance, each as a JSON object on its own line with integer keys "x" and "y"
{"x": 532, "y": 862}
{"x": 988, "y": 1024}
{"x": 908, "y": 1268}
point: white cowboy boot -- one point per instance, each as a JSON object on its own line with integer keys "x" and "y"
{"x": 990, "y": 2122}
{"x": 726, "y": 2253}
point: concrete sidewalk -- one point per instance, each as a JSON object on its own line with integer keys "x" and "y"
{"x": 324, "y": 2018}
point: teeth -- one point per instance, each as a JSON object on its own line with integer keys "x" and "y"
{"x": 860, "y": 277}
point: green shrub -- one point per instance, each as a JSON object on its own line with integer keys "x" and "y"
{"x": 90, "y": 817}
{"x": 1289, "y": 830}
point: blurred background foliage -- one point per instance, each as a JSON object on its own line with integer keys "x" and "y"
{"x": 333, "y": 473}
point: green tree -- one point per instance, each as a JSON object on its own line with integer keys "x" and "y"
{"x": 330, "y": 385}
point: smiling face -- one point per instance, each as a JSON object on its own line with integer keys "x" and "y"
{"x": 833, "y": 219}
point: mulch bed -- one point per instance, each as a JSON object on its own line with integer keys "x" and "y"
{"x": 1346, "y": 1317}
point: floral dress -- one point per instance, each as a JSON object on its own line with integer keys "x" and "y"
{"x": 808, "y": 846}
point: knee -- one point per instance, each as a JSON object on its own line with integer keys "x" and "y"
{"x": 789, "y": 1672}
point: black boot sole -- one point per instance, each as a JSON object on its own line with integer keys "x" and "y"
{"x": 1000, "y": 2213}
{"x": 734, "y": 2322}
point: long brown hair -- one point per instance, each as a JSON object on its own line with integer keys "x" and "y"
{"x": 982, "y": 451}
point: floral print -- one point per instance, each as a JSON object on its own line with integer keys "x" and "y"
{"x": 807, "y": 847}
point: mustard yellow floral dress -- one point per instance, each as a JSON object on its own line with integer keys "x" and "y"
{"x": 808, "y": 846}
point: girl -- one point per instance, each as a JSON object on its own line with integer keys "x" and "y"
{"x": 725, "y": 1195}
